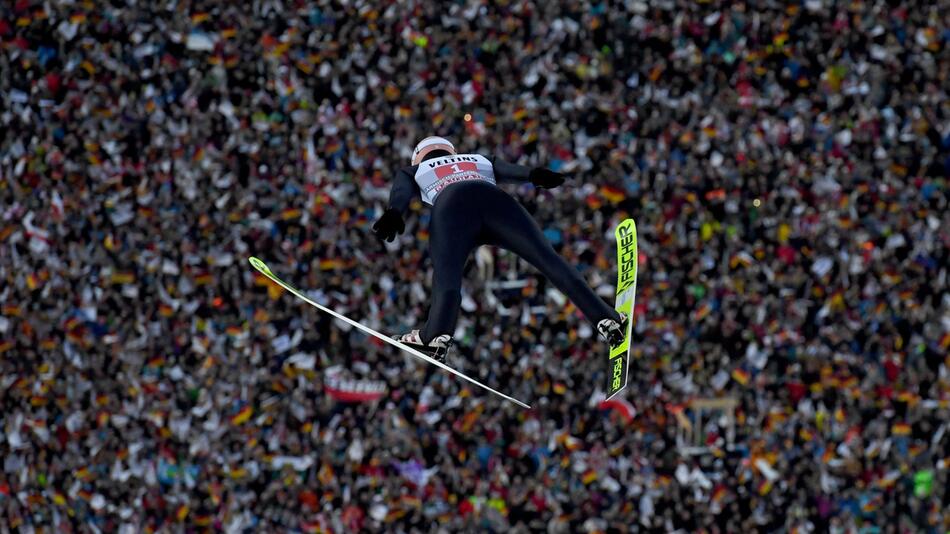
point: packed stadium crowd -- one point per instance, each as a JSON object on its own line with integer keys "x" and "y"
{"x": 786, "y": 164}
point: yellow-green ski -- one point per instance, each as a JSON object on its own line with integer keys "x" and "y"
{"x": 619, "y": 360}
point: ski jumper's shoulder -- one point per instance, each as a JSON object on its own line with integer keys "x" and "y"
{"x": 404, "y": 188}
{"x": 409, "y": 169}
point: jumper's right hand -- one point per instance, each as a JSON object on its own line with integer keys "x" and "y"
{"x": 389, "y": 225}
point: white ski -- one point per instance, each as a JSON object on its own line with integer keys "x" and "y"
{"x": 265, "y": 270}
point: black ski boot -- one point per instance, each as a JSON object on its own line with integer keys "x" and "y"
{"x": 612, "y": 331}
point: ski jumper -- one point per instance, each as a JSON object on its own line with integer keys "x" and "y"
{"x": 468, "y": 210}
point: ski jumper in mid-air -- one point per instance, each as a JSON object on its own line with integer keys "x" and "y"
{"x": 468, "y": 210}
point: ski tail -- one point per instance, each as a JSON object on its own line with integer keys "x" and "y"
{"x": 618, "y": 362}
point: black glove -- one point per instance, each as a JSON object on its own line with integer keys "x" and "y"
{"x": 545, "y": 178}
{"x": 389, "y": 225}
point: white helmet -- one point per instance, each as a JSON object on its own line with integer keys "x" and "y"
{"x": 428, "y": 145}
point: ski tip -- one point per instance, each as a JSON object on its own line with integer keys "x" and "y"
{"x": 258, "y": 264}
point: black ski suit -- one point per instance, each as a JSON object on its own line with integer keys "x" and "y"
{"x": 472, "y": 213}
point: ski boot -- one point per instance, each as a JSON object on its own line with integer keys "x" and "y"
{"x": 612, "y": 331}
{"x": 437, "y": 349}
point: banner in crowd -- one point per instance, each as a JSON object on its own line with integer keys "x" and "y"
{"x": 352, "y": 390}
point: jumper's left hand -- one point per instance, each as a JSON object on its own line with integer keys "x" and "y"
{"x": 546, "y": 178}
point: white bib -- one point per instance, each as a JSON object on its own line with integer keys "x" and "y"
{"x": 434, "y": 175}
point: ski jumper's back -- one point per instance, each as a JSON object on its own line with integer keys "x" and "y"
{"x": 431, "y": 178}
{"x": 434, "y": 175}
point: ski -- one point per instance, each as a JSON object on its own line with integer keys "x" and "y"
{"x": 265, "y": 270}
{"x": 618, "y": 362}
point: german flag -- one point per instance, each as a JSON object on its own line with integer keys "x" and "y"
{"x": 704, "y": 309}
{"x": 122, "y": 277}
{"x": 467, "y": 422}
{"x": 411, "y": 501}
{"x": 198, "y": 18}
{"x": 32, "y": 281}
{"x": 280, "y": 49}
{"x": 77, "y": 18}
{"x": 593, "y": 202}
{"x": 204, "y": 278}
{"x": 908, "y": 397}
{"x": 889, "y": 480}
{"x": 719, "y": 493}
{"x": 6, "y": 345}
{"x": 764, "y": 487}
{"x": 182, "y": 513}
{"x": 394, "y": 514}
{"x": 261, "y": 315}
{"x": 613, "y": 194}
{"x": 589, "y": 476}
{"x": 328, "y": 264}
{"x": 900, "y": 429}
{"x": 871, "y": 504}
{"x": 243, "y": 415}
{"x": 741, "y": 376}
{"x": 291, "y": 213}
{"x": 326, "y": 475}
{"x": 11, "y": 310}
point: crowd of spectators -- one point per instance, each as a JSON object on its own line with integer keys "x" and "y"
{"x": 786, "y": 163}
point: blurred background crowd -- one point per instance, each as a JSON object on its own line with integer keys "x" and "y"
{"x": 786, "y": 164}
